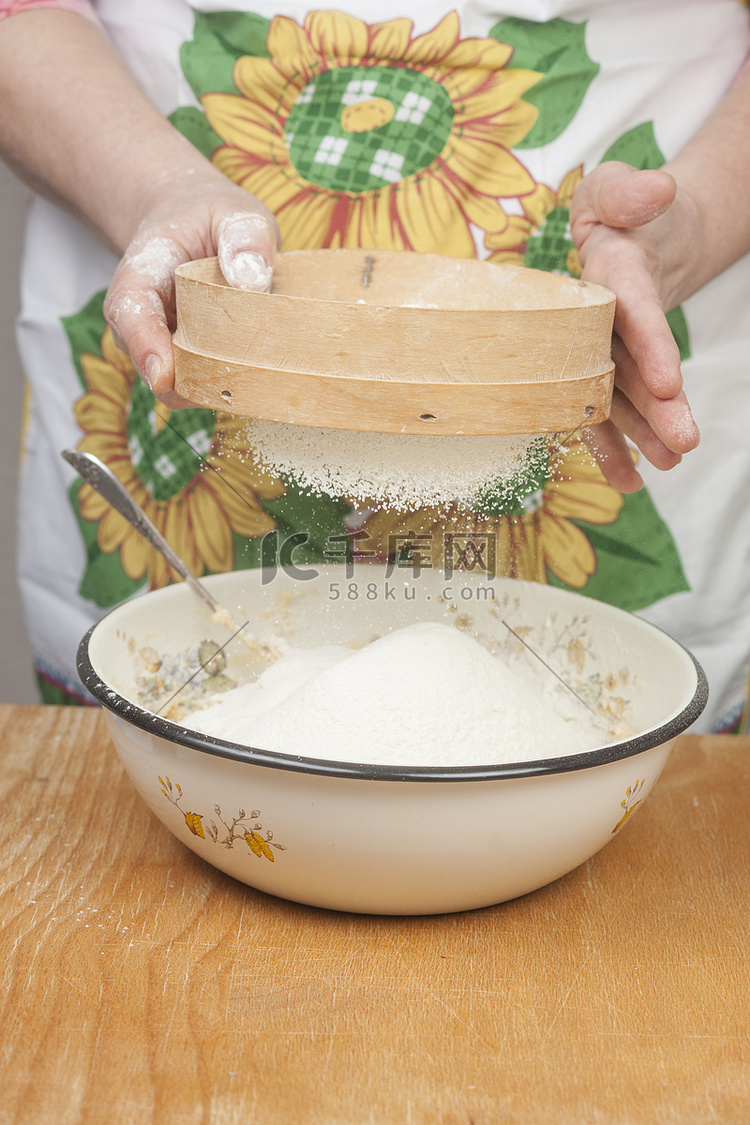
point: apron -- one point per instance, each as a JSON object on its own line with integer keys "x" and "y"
{"x": 458, "y": 130}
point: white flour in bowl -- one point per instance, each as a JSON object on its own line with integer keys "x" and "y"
{"x": 425, "y": 695}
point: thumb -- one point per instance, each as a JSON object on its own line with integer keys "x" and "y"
{"x": 246, "y": 246}
{"x": 621, "y": 196}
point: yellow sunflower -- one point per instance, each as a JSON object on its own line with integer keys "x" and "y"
{"x": 540, "y": 539}
{"x": 359, "y": 134}
{"x": 541, "y": 236}
{"x": 189, "y": 470}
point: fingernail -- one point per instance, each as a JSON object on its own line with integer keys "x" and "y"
{"x": 247, "y": 270}
{"x": 151, "y": 370}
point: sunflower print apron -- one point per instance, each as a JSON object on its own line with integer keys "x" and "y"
{"x": 461, "y": 134}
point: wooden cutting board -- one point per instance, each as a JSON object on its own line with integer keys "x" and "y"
{"x": 140, "y": 985}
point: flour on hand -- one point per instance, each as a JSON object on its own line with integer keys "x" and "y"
{"x": 242, "y": 267}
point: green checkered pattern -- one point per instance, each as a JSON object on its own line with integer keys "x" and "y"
{"x": 167, "y": 461}
{"x": 550, "y": 244}
{"x": 326, "y": 154}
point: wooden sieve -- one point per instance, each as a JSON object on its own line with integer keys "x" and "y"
{"x": 397, "y": 342}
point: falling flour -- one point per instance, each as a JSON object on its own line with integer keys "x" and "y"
{"x": 425, "y": 695}
{"x": 401, "y": 471}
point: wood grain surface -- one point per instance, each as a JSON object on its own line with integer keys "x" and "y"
{"x": 430, "y": 345}
{"x": 140, "y": 985}
{"x": 396, "y": 407}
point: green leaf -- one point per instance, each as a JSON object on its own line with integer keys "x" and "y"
{"x": 677, "y": 322}
{"x": 319, "y": 517}
{"x": 557, "y": 50}
{"x": 637, "y": 147}
{"x": 193, "y": 125}
{"x": 54, "y": 696}
{"x": 104, "y": 581}
{"x": 248, "y": 553}
{"x": 84, "y": 331}
{"x": 219, "y": 39}
{"x": 506, "y": 497}
{"x": 297, "y": 512}
{"x": 244, "y": 33}
{"x": 637, "y": 559}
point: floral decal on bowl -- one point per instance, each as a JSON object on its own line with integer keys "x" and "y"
{"x": 630, "y": 804}
{"x": 568, "y": 650}
{"x": 239, "y": 828}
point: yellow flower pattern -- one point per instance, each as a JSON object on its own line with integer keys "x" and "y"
{"x": 193, "y": 821}
{"x": 237, "y": 829}
{"x": 629, "y": 803}
{"x": 531, "y": 544}
{"x": 359, "y": 134}
{"x": 218, "y": 489}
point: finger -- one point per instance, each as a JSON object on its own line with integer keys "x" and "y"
{"x": 612, "y": 453}
{"x": 642, "y": 327}
{"x": 175, "y": 401}
{"x": 621, "y": 196}
{"x": 632, "y": 424}
{"x": 617, "y": 261}
{"x": 670, "y": 419}
{"x": 246, "y": 247}
{"x": 139, "y": 307}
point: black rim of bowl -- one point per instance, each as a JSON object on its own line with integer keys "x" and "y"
{"x": 153, "y": 724}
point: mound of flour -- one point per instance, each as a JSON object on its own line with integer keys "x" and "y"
{"x": 425, "y": 695}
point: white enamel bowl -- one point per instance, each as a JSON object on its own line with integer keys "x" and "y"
{"x": 381, "y": 839}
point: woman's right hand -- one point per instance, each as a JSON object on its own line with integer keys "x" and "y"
{"x": 200, "y": 216}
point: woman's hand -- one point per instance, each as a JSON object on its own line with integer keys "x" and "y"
{"x": 635, "y": 235}
{"x": 204, "y": 214}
